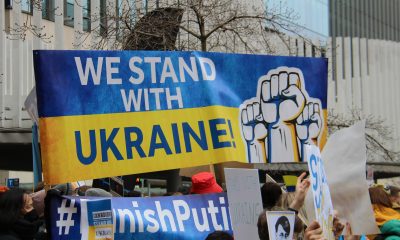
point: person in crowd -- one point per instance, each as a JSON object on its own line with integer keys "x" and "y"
{"x": 203, "y": 183}
{"x": 18, "y": 218}
{"x": 97, "y": 192}
{"x": 349, "y": 234}
{"x": 219, "y": 235}
{"x": 382, "y": 205}
{"x": 38, "y": 201}
{"x": 313, "y": 232}
{"x": 285, "y": 201}
{"x": 270, "y": 194}
{"x": 386, "y": 217}
{"x": 395, "y": 197}
{"x": 262, "y": 226}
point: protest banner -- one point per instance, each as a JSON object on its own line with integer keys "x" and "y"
{"x": 245, "y": 205}
{"x": 112, "y": 113}
{"x": 280, "y": 225}
{"x": 345, "y": 160}
{"x": 175, "y": 217}
{"x": 322, "y": 198}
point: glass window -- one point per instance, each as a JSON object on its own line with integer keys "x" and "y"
{"x": 48, "y": 9}
{"x": 69, "y": 13}
{"x": 86, "y": 15}
{"x": 26, "y": 6}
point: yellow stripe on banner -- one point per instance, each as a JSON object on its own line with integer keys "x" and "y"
{"x": 94, "y": 146}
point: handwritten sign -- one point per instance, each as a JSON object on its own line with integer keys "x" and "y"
{"x": 245, "y": 203}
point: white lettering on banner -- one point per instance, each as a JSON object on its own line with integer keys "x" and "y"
{"x": 165, "y": 220}
{"x": 143, "y": 94}
{"x": 90, "y": 72}
{"x": 112, "y": 70}
{"x": 91, "y": 68}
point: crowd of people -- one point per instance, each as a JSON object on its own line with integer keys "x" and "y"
{"x": 23, "y": 215}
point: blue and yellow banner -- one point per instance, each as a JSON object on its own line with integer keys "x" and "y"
{"x": 111, "y": 113}
{"x": 175, "y": 217}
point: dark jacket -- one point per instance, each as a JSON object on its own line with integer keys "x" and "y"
{"x": 25, "y": 228}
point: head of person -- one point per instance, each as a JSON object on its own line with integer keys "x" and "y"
{"x": 270, "y": 194}
{"x": 282, "y": 228}
{"x": 262, "y": 226}
{"x": 394, "y": 194}
{"x": 219, "y": 235}
{"x": 379, "y": 196}
{"x": 203, "y": 183}
{"x": 14, "y": 204}
{"x": 97, "y": 192}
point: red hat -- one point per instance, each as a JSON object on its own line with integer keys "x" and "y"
{"x": 204, "y": 182}
{"x": 3, "y": 189}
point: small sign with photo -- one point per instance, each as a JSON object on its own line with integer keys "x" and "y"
{"x": 280, "y": 225}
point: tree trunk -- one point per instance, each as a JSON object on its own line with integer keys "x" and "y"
{"x": 203, "y": 45}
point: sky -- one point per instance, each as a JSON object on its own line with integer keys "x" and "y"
{"x": 313, "y": 15}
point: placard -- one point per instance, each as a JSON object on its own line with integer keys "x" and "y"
{"x": 245, "y": 204}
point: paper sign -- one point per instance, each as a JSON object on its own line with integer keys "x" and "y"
{"x": 280, "y": 225}
{"x": 319, "y": 185}
{"x": 345, "y": 159}
{"x": 245, "y": 205}
{"x": 99, "y": 219}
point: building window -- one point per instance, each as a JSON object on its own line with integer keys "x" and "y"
{"x": 48, "y": 9}
{"x": 69, "y": 13}
{"x": 26, "y": 6}
{"x": 86, "y": 15}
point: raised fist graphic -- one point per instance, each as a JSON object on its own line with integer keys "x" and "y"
{"x": 280, "y": 118}
{"x": 282, "y": 99}
{"x": 309, "y": 124}
{"x": 254, "y": 132}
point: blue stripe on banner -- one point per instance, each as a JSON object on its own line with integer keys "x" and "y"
{"x": 174, "y": 217}
{"x": 95, "y": 82}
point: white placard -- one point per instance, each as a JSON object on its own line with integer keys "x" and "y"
{"x": 245, "y": 205}
{"x": 280, "y": 225}
{"x": 321, "y": 194}
{"x": 344, "y": 157}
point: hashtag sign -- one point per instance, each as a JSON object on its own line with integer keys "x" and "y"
{"x": 63, "y": 210}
